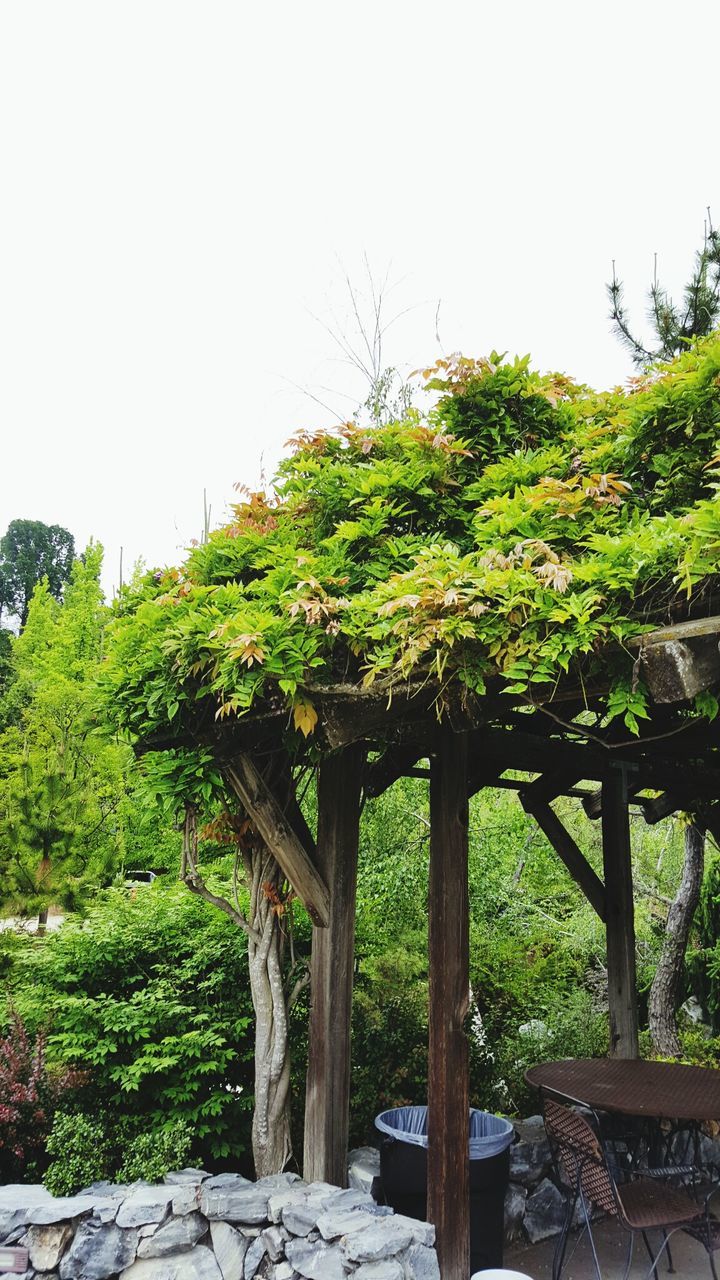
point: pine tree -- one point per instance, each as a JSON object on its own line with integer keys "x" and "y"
{"x": 675, "y": 324}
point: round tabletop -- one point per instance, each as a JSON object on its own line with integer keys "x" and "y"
{"x": 633, "y": 1087}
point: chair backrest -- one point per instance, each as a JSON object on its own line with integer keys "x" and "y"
{"x": 578, "y": 1155}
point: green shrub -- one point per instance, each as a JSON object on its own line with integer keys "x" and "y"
{"x": 150, "y": 996}
{"x": 82, "y": 1152}
{"x": 152, "y": 1154}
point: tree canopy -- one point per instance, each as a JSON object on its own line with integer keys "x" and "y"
{"x": 29, "y": 552}
{"x": 519, "y": 534}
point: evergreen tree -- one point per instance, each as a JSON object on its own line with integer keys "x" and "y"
{"x": 62, "y": 782}
{"x": 675, "y": 324}
{"x": 29, "y": 552}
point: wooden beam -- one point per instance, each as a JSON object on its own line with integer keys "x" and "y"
{"x": 278, "y": 832}
{"x": 548, "y": 787}
{"x": 619, "y": 918}
{"x": 448, "y": 1089}
{"x": 396, "y": 763}
{"x": 328, "y": 1074}
{"x": 569, "y": 853}
{"x": 677, "y": 670}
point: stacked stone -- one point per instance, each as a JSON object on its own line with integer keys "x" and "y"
{"x": 198, "y": 1227}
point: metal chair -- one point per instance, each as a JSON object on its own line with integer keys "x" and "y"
{"x": 639, "y": 1204}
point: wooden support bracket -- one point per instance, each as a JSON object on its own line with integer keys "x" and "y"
{"x": 569, "y": 853}
{"x": 278, "y": 832}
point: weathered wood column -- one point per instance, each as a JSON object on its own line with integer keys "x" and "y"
{"x": 619, "y": 917}
{"x": 448, "y": 1089}
{"x": 331, "y": 978}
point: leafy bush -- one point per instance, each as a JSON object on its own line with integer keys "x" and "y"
{"x": 152, "y": 1154}
{"x": 81, "y": 1149}
{"x": 149, "y": 996}
{"x": 89, "y": 1149}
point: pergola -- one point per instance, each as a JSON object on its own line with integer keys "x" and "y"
{"x": 551, "y": 747}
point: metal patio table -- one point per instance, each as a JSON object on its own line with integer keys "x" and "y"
{"x": 633, "y": 1087}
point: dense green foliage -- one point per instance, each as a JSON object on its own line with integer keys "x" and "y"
{"x": 148, "y": 995}
{"x": 526, "y": 529}
{"x": 31, "y": 551}
{"x": 62, "y": 781}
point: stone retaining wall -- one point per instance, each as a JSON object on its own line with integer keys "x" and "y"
{"x": 198, "y": 1227}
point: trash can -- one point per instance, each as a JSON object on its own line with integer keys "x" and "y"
{"x": 403, "y": 1171}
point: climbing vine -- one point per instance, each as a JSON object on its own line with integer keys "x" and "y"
{"x": 521, "y": 532}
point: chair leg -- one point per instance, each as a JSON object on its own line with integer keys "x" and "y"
{"x": 560, "y": 1247}
{"x": 628, "y": 1264}
{"x": 712, "y": 1264}
{"x": 671, "y": 1264}
{"x": 651, "y": 1255}
{"x": 592, "y": 1240}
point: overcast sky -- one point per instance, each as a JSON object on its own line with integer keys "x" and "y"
{"x": 183, "y": 185}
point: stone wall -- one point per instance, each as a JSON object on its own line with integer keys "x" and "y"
{"x": 198, "y": 1227}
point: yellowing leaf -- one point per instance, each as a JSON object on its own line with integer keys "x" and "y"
{"x": 305, "y": 716}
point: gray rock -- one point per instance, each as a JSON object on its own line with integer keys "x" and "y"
{"x": 230, "y": 1249}
{"x": 544, "y": 1212}
{"x": 145, "y": 1204}
{"x": 529, "y": 1161}
{"x": 390, "y": 1270}
{"x": 421, "y": 1263}
{"x": 230, "y": 1203}
{"x": 15, "y": 1201}
{"x": 105, "y": 1189}
{"x": 515, "y": 1198}
{"x": 363, "y": 1165}
{"x": 341, "y": 1222}
{"x": 284, "y": 1271}
{"x": 251, "y": 1233}
{"x": 228, "y": 1180}
{"x": 281, "y": 1199}
{"x": 199, "y": 1264}
{"x": 253, "y": 1258}
{"x": 274, "y": 1240}
{"x": 60, "y": 1209}
{"x": 99, "y": 1250}
{"x": 382, "y": 1240}
{"x": 176, "y": 1235}
{"x": 348, "y": 1199}
{"x": 46, "y": 1245}
{"x": 14, "y": 1275}
{"x": 421, "y": 1232}
{"x": 183, "y": 1176}
{"x": 301, "y": 1217}
{"x": 105, "y": 1208}
{"x": 275, "y": 1181}
{"x": 316, "y": 1261}
{"x": 186, "y": 1199}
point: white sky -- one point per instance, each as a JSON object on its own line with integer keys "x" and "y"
{"x": 180, "y": 182}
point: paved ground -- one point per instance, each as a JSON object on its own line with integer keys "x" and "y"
{"x": 690, "y": 1259}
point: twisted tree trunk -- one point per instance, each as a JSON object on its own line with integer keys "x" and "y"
{"x": 666, "y": 983}
{"x": 271, "y": 1118}
{"x": 273, "y": 990}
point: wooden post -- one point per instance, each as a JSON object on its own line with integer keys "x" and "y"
{"x": 619, "y": 917}
{"x": 448, "y": 1089}
{"x": 333, "y": 953}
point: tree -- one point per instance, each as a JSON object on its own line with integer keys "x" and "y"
{"x": 666, "y": 983}
{"x": 60, "y": 781}
{"x": 29, "y": 552}
{"x": 41, "y": 856}
{"x": 675, "y": 324}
